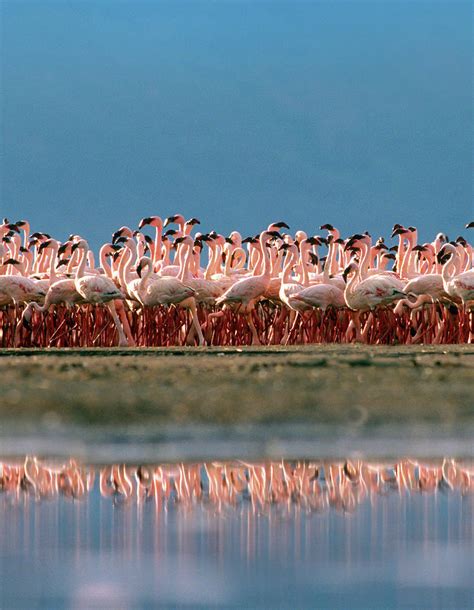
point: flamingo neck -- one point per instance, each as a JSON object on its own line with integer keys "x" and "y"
{"x": 104, "y": 262}
{"x": 217, "y": 260}
{"x": 266, "y": 257}
{"x": 28, "y": 258}
{"x": 187, "y": 259}
{"x": 146, "y": 262}
{"x": 288, "y": 268}
{"x": 26, "y": 234}
{"x": 72, "y": 262}
{"x": 351, "y": 284}
{"x": 165, "y": 255}
{"x": 334, "y": 268}
{"x": 254, "y": 257}
{"x": 329, "y": 263}
{"x": 52, "y": 262}
{"x": 124, "y": 268}
{"x": 275, "y": 259}
{"x": 239, "y": 258}
{"x": 258, "y": 260}
{"x": 157, "y": 249}
{"x": 304, "y": 249}
{"x": 449, "y": 269}
{"x": 211, "y": 258}
{"x": 469, "y": 251}
{"x": 410, "y": 257}
{"x": 228, "y": 260}
{"x": 81, "y": 268}
{"x": 91, "y": 259}
{"x": 365, "y": 262}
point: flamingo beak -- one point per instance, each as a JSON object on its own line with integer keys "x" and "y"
{"x": 346, "y": 272}
{"x": 144, "y": 221}
{"x": 399, "y": 231}
{"x": 116, "y": 235}
{"x": 169, "y": 220}
{"x": 44, "y": 245}
{"x": 13, "y": 227}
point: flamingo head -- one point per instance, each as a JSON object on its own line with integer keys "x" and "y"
{"x": 274, "y": 226}
{"x": 442, "y": 238}
{"x": 177, "y": 218}
{"x": 170, "y": 232}
{"x": 112, "y": 249}
{"x": 64, "y": 247}
{"x": 12, "y": 226}
{"x": 192, "y": 222}
{"x": 45, "y": 244}
{"x": 143, "y": 262}
{"x": 81, "y": 244}
{"x": 470, "y": 225}
{"x": 184, "y": 239}
{"x": 123, "y": 231}
{"x": 153, "y": 221}
{"x": 349, "y": 270}
{"x": 312, "y": 241}
{"x": 399, "y": 230}
{"x": 274, "y": 234}
{"x": 445, "y": 253}
{"x": 354, "y": 241}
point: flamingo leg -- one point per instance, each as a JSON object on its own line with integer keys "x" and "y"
{"x": 122, "y": 338}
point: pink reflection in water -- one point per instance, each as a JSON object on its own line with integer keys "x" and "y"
{"x": 312, "y": 485}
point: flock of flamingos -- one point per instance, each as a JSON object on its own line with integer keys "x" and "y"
{"x": 180, "y": 288}
{"x": 313, "y": 486}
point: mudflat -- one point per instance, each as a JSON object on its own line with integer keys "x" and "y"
{"x": 331, "y": 384}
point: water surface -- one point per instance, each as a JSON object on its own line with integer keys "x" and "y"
{"x": 307, "y": 534}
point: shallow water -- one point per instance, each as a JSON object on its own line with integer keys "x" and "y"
{"x": 367, "y": 535}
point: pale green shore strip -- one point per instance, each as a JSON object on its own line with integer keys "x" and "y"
{"x": 349, "y": 385}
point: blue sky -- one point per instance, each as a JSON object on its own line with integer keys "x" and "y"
{"x": 239, "y": 113}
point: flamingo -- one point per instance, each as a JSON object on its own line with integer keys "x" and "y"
{"x": 166, "y": 291}
{"x": 245, "y": 292}
{"x": 98, "y": 289}
{"x": 429, "y": 289}
{"x": 368, "y": 294}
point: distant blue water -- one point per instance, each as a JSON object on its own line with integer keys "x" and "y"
{"x": 410, "y": 551}
{"x": 241, "y": 113}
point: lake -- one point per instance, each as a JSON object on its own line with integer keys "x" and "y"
{"x": 235, "y": 534}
